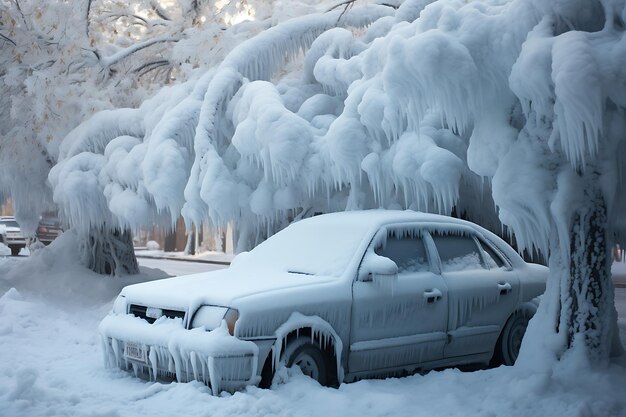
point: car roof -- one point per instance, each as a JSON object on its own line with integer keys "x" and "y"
{"x": 374, "y": 219}
{"x": 380, "y": 217}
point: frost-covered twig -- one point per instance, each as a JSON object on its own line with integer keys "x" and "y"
{"x": 151, "y": 65}
{"x": 124, "y": 53}
{"x": 7, "y": 39}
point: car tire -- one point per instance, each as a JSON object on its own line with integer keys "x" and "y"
{"x": 510, "y": 340}
{"x": 309, "y": 357}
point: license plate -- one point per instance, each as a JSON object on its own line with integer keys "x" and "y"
{"x": 135, "y": 351}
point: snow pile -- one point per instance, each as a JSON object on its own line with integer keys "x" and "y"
{"x": 151, "y": 245}
{"x": 56, "y": 273}
{"x": 4, "y": 250}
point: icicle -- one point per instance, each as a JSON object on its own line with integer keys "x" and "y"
{"x": 153, "y": 358}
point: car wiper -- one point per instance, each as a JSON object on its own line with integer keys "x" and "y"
{"x": 300, "y": 273}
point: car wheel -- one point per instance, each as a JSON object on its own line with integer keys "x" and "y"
{"x": 311, "y": 360}
{"x": 510, "y": 341}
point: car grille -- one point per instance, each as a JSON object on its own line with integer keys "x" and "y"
{"x": 140, "y": 311}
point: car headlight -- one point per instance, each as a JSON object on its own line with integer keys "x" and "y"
{"x": 210, "y": 317}
{"x": 119, "y": 306}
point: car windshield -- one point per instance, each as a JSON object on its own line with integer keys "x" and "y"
{"x": 309, "y": 247}
{"x": 9, "y": 223}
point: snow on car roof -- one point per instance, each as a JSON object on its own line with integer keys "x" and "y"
{"x": 373, "y": 218}
{"x": 327, "y": 244}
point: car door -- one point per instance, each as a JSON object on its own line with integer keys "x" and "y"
{"x": 483, "y": 291}
{"x": 402, "y": 322}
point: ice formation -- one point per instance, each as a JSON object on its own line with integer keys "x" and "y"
{"x": 194, "y": 354}
{"x": 442, "y": 106}
{"x": 322, "y": 334}
{"x": 256, "y": 153}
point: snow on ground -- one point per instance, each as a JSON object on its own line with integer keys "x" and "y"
{"x": 177, "y": 268}
{"x": 51, "y": 365}
{"x": 219, "y": 257}
{"x": 4, "y": 250}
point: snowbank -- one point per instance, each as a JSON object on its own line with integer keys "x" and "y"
{"x": 54, "y": 273}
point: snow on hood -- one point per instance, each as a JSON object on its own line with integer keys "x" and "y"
{"x": 220, "y": 288}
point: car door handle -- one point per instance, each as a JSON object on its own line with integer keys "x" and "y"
{"x": 504, "y": 288}
{"x": 432, "y": 296}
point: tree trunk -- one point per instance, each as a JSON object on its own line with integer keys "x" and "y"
{"x": 170, "y": 241}
{"x": 110, "y": 252}
{"x": 587, "y": 295}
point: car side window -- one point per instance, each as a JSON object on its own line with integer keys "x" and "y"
{"x": 406, "y": 250}
{"x": 493, "y": 260}
{"x": 457, "y": 252}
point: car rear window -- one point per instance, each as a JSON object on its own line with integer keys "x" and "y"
{"x": 492, "y": 259}
{"x": 457, "y": 252}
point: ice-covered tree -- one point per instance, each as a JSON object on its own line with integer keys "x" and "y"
{"x": 438, "y": 106}
{"x": 62, "y": 61}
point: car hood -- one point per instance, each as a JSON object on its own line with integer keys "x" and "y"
{"x": 223, "y": 288}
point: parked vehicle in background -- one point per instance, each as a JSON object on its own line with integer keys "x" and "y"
{"x": 12, "y": 236}
{"x": 49, "y": 229}
{"x": 343, "y": 296}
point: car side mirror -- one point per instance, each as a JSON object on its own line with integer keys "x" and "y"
{"x": 379, "y": 269}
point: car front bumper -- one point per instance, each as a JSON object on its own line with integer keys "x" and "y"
{"x": 14, "y": 241}
{"x": 166, "y": 351}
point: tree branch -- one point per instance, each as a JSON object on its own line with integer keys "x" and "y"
{"x": 159, "y": 11}
{"x": 134, "y": 16}
{"x": 124, "y": 53}
{"x": 87, "y": 17}
{"x": 345, "y": 3}
{"x": 8, "y": 39}
{"x": 19, "y": 9}
{"x": 149, "y": 66}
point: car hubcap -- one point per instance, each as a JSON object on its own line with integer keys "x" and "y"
{"x": 307, "y": 365}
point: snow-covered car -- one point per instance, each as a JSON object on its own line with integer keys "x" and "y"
{"x": 49, "y": 229}
{"x": 11, "y": 234}
{"x": 343, "y": 296}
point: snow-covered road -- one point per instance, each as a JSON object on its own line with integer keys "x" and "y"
{"x": 51, "y": 365}
{"x": 177, "y": 268}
